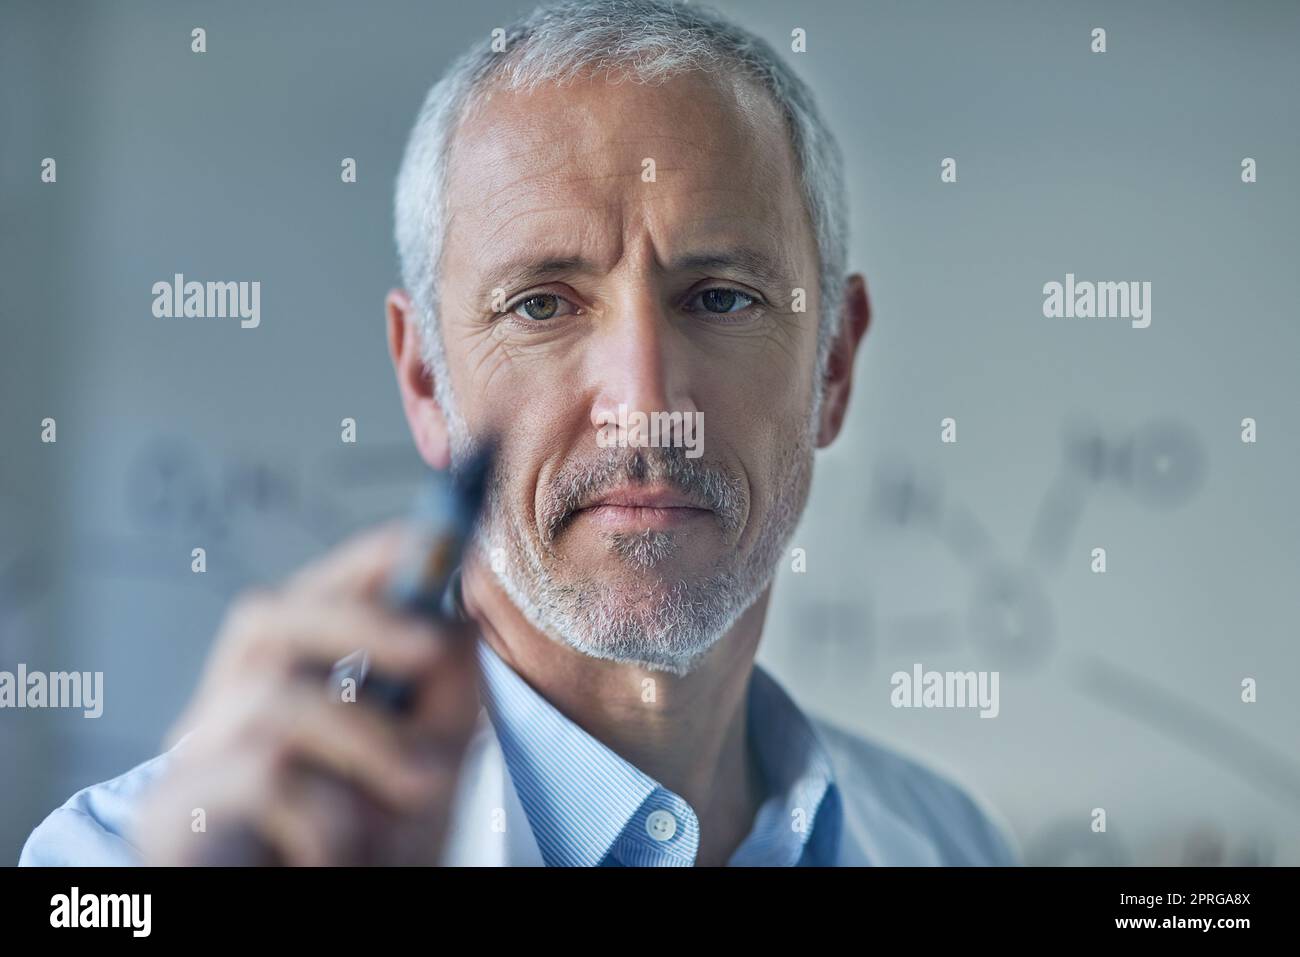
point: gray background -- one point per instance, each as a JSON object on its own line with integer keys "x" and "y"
{"x": 1118, "y": 691}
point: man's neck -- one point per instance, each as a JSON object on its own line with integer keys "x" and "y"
{"x": 689, "y": 733}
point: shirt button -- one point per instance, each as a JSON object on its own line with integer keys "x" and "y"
{"x": 661, "y": 825}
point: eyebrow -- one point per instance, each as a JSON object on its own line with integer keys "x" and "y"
{"x": 524, "y": 271}
{"x": 751, "y": 263}
{"x": 527, "y": 270}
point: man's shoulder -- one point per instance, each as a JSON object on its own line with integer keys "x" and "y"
{"x": 91, "y": 828}
{"x": 886, "y": 793}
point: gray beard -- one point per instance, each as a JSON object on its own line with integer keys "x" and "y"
{"x": 661, "y": 629}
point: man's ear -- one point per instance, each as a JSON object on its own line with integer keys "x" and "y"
{"x": 423, "y": 414}
{"x": 855, "y": 316}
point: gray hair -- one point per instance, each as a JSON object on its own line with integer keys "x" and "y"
{"x": 651, "y": 41}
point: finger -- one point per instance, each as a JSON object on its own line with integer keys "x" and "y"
{"x": 368, "y": 820}
{"x": 446, "y": 698}
{"x": 335, "y": 823}
{"x": 241, "y": 822}
{"x": 353, "y": 743}
{"x": 310, "y": 823}
{"x": 292, "y": 835}
{"x": 293, "y": 634}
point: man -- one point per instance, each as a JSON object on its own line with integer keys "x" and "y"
{"x": 623, "y": 207}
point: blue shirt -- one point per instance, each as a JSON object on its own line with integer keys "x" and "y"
{"x": 832, "y": 797}
{"x": 588, "y": 806}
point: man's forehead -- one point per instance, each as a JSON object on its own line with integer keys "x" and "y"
{"x": 716, "y": 148}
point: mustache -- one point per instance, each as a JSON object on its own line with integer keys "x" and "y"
{"x": 581, "y": 481}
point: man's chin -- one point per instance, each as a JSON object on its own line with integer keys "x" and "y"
{"x": 631, "y": 588}
{"x": 631, "y": 635}
{"x": 660, "y": 619}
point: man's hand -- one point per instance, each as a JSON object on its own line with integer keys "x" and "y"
{"x": 284, "y": 770}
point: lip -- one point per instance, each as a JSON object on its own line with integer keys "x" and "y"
{"x": 642, "y": 508}
{"x": 648, "y": 496}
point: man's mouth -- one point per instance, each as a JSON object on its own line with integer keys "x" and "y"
{"x": 632, "y": 508}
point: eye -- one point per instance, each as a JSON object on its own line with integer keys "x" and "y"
{"x": 720, "y": 301}
{"x": 539, "y": 307}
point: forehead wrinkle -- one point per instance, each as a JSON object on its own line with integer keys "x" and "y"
{"x": 718, "y": 173}
{"x": 560, "y": 156}
{"x": 703, "y": 150}
{"x": 769, "y": 225}
{"x": 507, "y": 195}
{"x": 554, "y": 182}
{"x": 562, "y": 175}
{"x": 515, "y": 218}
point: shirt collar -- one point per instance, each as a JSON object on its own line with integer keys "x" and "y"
{"x": 582, "y": 798}
{"x": 578, "y": 794}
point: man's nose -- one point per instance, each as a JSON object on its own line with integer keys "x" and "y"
{"x": 641, "y": 362}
